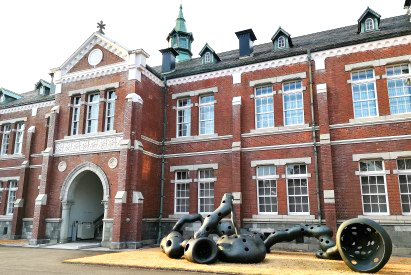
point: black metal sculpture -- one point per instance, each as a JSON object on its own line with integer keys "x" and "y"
{"x": 362, "y": 243}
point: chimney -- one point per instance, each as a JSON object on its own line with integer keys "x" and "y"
{"x": 169, "y": 60}
{"x": 246, "y": 38}
{"x": 407, "y": 6}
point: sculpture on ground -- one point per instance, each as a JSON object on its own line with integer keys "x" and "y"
{"x": 362, "y": 243}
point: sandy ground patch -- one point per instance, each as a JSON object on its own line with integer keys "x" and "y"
{"x": 274, "y": 263}
{"x": 13, "y": 242}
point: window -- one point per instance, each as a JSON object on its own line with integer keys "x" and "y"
{"x": 75, "y": 117}
{"x": 373, "y": 189}
{"x": 18, "y": 145}
{"x": 281, "y": 42}
{"x": 183, "y": 117}
{"x": 293, "y": 103}
{"x": 182, "y": 184}
{"x": 404, "y": 179}
{"x": 264, "y": 107}
{"x": 364, "y": 94}
{"x": 206, "y": 115}
{"x": 369, "y": 24}
{"x": 1, "y": 191}
{"x": 297, "y": 189}
{"x": 12, "y": 197}
{"x": 6, "y": 139}
{"x": 267, "y": 189}
{"x": 183, "y": 42}
{"x": 207, "y": 57}
{"x": 399, "y": 89}
{"x": 110, "y": 109}
{"x": 92, "y": 113}
{"x": 206, "y": 190}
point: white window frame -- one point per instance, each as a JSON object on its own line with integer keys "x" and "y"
{"x": 18, "y": 143}
{"x": 186, "y": 108}
{"x": 402, "y": 76}
{"x": 75, "y": 123}
{"x": 273, "y": 177}
{"x": 110, "y": 105}
{"x": 185, "y": 182}
{"x": 206, "y": 105}
{"x": 12, "y": 196}
{"x": 374, "y": 174}
{"x": 369, "y": 27}
{"x": 208, "y": 58}
{"x": 290, "y": 92}
{"x": 5, "y": 139}
{"x": 281, "y": 42}
{"x": 205, "y": 180}
{"x": 258, "y": 97}
{"x": 1, "y": 191}
{"x": 90, "y": 106}
{"x": 297, "y": 177}
{"x": 366, "y": 82}
{"x": 406, "y": 173}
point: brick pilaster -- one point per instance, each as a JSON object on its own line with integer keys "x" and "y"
{"x": 83, "y": 115}
{"x": 325, "y": 165}
{"x": 101, "y": 111}
{"x": 12, "y": 139}
{"x": 18, "y": 214}
{"x": 40, "y": 208}
{"x": 236, "y": 158}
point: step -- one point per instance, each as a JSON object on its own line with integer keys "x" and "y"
{"x": 89, "y": 245}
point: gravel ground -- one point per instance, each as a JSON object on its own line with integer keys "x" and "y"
{"x": 275, "y": 263}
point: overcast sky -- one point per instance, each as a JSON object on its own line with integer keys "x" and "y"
{"x": 36, "y": 36}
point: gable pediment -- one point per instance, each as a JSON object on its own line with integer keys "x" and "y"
{"x": 112, "y": 53}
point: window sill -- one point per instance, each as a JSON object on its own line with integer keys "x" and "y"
{"x": 85, "y": 136}
{"x": 278, "y": 130}
{"x": 281, "y": 218}
{"x": 388, "y": 219}
{"x": 380, "y": 118}
{"x": 197, "y": 138}
{"x": 9, "y": 157}
{"x": 6, "y": 218}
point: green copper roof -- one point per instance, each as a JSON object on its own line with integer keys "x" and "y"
{"x": 180, "y": 21}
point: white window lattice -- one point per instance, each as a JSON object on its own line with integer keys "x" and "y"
{"x": 92, "y": 113}
{"x": 18, "y": 144}
{"x": 264, "y": 107}
{"x": 297, "y": 189}
{"x": 184, "y": 117}
{"x": 206, "y": 182}
{"x": 281, "y": 42}
{"x": 110, "y": 110}
{"x": 369, "y": 24}
{"x": 5, "y": 139}
{"x": 11, "y": 197}
{"x": 373, "y": 187}
{"x": 267, "y": 189}
{"x": 206, "y": 115}
{"x": 399, "y": 89}
{"x": 182, "y": 192}
{"x": 364, "y": 94}
{"x": 404, "y": 179}
{"x": 75, "y": 117}
{"x": 293, "y": 103}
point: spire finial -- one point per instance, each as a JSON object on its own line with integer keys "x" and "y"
{"x": 101, "y": 26}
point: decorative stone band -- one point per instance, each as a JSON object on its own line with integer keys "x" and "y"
{"x": 236, "y": 100}
{"x": 121, "y": 197}
{"x": 321, "y": 88}
{"x": 88, "y": 144}
{"x": 194, "y": 167}
{"x": 41, "y": 199}
{"x": 138, "y": 197}
{"x": 14, "y": 120}
{"x": 195, "y": 93}
{"x": 256, "y": 163}
{"x": 94, "y": 89}
{"x": 27, "y": 107}
{"x": 378, "y": 62}
{"x": 277, "y": 79}
{"x": 329, "y": 196}
{"x": 381, "y": 155}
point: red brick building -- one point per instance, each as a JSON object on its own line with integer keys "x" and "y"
{"x": 314, "y": 128}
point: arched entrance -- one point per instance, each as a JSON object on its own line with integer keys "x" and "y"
{"x": 84, "y": 198}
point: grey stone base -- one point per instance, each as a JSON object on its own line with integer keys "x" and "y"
{"x": 126, "y": 245}
{"x": 38, "y": 241}
{"x": 5, "y": 230}
{"x": 27, "y": 229}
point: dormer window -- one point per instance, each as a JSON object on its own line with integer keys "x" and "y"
{"x": 369, "y": 25}
{"x": 281, "y": 39}
{"x": 2, "y": 98}
{"x": 208, "y": 55}
{"x": 369, "y": 21}
{"x": 281, "y": 42}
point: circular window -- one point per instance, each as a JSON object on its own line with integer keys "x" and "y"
{"x": 95, "y": 57}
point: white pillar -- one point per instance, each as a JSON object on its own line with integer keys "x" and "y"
{"x": 65, "y": 217}
{"x": 105, "y": 203}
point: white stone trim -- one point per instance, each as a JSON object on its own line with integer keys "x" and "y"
{"x": 10, "y": 168}
{"x": 388, "y": 219}
{"x": 277, "y": 147}
{"x": 155, "y": 142}
{"x": 325, "y": 139}
{"x": 134, "y": 98}
{"x": 236, "y": 100}
{"x": 277, "y": 162}
{"x": 321, "y": 88}
{"x": 329, "y": 196}
{"x": 373, "y": 139}
{"x": 201, "y": 138}
{"x": 195, "y": 93}
{"x": 94, "y": 73}
{"x": 203, "y": 153}
{"x": 374, "y": 121}
{"x": 65, "y": 194}
{"x": 152, "y": 77}
{"x": 280, "y": 218}
{"x": 380, "y": 118}
{"x": 104, "y": 87}
{"x": 151, "y": 154}
{"x": 10, "y": 157}
{"x": 378, "y": 62}
{"x": 138, "y": 197}
{"x": 41, "y": 199}
{"x": 194, "y": 167}
{"x": 14, "y": 120}
{"x": 381, "y": 155}
{"x": 52, "y": 220}
{"x": 278, "y": 130}
{"x": 277, "y": 79}
{"x": 236, "y": 77}
{"x": 27, "y": 107}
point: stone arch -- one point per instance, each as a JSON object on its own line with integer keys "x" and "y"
{"x": 65, "y": 194}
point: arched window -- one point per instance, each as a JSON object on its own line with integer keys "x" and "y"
{"x": 207, "y": 57}
{"x": 281, "y": 42}
{"x": 369, "y": 24}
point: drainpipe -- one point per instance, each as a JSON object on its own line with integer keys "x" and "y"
{"x": 163, "y": 160}
{"x": 314, "y": 136}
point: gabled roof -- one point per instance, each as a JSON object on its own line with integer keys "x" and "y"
{"x": 95, "y": 38}
{"x": 368, "y": 11}
{"x": 42, "y": 82}
{"x": 207, "y": 47}
{"x": 9, "y": 93}
{"x": 173, "y": 31}
{"x": 282, "y": 31}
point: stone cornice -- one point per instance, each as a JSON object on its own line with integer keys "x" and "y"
{"x": 27, "y": 107}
